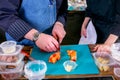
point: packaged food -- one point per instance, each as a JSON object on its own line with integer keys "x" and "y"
{"x": 13, "y": 73}
{"x": 104, "y": 61}
{"x": 12, "y": 60}
{"x": 12, "y": 57}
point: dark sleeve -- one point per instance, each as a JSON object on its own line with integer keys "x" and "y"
{"x": 10, "y": 21}
{"x": 116, "y": 25}
{"x": 88, "y": 9}
{"x": 62, "y": 12}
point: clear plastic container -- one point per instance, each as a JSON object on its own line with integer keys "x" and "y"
{"x": 69, "y": 65}
{"x": 16, "y": 61}
{"x": 8, "y": 47}
{"x": 115, "y": 51}
{"x": 104, "y": 61}
{"x": 12, "y": 73}
{"x": 117, "y": 72}
{"x": 12, "y": 57}
{"x": 35, "y": 70}
{"x": 18, "y": 48}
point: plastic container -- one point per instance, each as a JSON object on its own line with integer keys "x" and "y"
{"x": 115, "y": 51}
{"x": 12, "y": 57}
{"x": 104, "y": 61}
{"x": 117, "y": 72}
{"x": 69, "y": 65}
{"x": 16, "y": 61}
{"x": 8, "y": 47}
{"x": 35, "y": 70}
{"x": 13, "y": 73}
{"x": 18, "y": 48}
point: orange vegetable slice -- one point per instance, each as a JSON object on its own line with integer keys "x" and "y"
{"x": 72, "y": 54}
{"x": 54, "y": 57}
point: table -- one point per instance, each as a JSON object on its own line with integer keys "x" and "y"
{"x": 110, "y": 73}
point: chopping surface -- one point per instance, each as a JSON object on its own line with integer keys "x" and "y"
{"x": 85, "y": 61}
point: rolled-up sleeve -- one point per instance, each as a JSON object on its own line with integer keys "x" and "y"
{"x": 10, "y": 21}
{"x": 116, "y": 25}
{"x": 62, "y": 12}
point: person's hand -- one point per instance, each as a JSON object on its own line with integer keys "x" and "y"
{"x": 58, "y": 31}
{"x": 83, "y": 31}
{"x": 47, "y": 43}
{"x": 102, "y": 48}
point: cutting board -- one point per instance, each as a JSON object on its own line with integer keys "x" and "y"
{"x": 85, "y": 61}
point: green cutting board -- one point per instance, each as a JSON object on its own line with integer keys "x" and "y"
{"x": 85, "y": 61}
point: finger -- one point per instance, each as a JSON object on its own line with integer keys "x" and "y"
{"x": 95, "y": 48}
{"x": 56, "y": 43}
{"x": 51, "y": 47}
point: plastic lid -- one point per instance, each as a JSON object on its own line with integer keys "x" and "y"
{"x": 8, "y": 46}
{"x": 17, "y": 51}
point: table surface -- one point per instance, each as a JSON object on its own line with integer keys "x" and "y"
{"x": 109, "y": 73}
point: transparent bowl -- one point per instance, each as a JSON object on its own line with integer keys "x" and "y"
{"x": 35, "y": 70}
{"x": 69, "y": 65}
{"x": 104, "y": 61}
{"x": 8, "y": 47}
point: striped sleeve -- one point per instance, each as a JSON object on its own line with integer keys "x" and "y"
{"x": 18, "y": 29}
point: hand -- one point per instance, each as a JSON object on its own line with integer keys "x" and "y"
{"x": 58, "y": 31}
{"x": 47, "y": 43}
{"x": 83, "y": 31}
{"x": 102, "y": 48}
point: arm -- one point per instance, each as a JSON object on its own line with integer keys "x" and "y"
{"x": 84, "y": 25}
{"x": 10, "y": 21}
{"x": 58, "y": 31}
{"x": 88, "y": 15}
{"x": 62, "y": 11}
{"x": 115, "y": 32}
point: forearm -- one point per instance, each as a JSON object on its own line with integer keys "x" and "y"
{"x": 111, "y": 39}
{"x": 62, "y": 12}
{"x": 86, "y": 20}
{"x": 10, "y": 21}
{"x": 30, "y": 34}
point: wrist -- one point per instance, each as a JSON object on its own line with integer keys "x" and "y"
{"x": 32, "y": 34}
{"x": 59, "y": 23}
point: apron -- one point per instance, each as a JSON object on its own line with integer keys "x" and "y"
{"x": 40, "y": 14}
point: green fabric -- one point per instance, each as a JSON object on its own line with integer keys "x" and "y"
{"x": 86, "y": 64}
